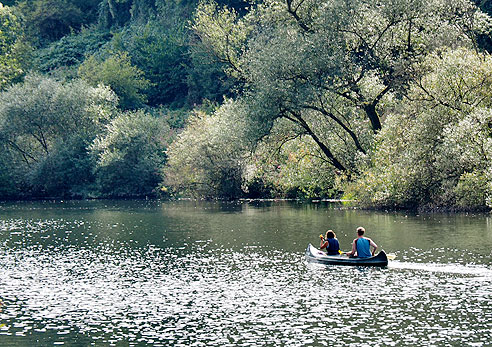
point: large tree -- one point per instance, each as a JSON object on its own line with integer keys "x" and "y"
{"x": 435, "y": 150}
{"x": 332, "y": 67}
{"x": 45, "y": 127}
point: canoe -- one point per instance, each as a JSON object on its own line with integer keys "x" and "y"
{"x": 314, "y": 255}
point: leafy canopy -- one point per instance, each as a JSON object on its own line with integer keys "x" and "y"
{"x": 130, "y": 153}
{"x": 117, "y": 72}
{"x": 12, "y": 47}
{"x": 333, "y": 68}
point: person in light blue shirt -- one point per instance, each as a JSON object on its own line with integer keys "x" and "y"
{"x": 361, "y": 246}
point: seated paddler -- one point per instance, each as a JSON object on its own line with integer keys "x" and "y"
{"x": 361, "y": 246}
{"x": 330, "y": 242}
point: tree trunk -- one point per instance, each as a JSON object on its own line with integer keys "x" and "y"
{"x": 334, "y": 161}
{"x": 370, "y": 110}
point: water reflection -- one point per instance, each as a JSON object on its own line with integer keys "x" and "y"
{"x": 231, "y": 275}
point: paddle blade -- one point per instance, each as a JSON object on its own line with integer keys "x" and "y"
{"x": 391, "y": 256}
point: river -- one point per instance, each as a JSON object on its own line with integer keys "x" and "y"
{"x": 187, "y": 273}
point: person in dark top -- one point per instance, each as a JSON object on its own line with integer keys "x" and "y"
{"x": 362, "y": 245}
{"x": 330, "y": 242}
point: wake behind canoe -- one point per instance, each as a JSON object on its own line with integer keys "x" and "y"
{"x": 314, "y": 255}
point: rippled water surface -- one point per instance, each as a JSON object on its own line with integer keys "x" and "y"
{"x": 234, "y": 274}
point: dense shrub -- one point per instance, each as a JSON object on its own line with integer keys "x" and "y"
{"x": 130, "y": 154}
{"x": 207, "y": 158}
{"x": 117, "y": 72}
{"x": 70, "y": 51}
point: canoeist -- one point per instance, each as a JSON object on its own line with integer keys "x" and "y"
{"x": 362, "y": 245}
{"x": 330, "y": 242}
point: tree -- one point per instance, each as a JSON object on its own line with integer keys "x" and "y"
{"x": 130, "y": 154}
{"x": 49, "y": 20}
{"x": 333, "y": 68}
{"x": 435, "y": 149}
{"x": 41, "y": 121}
{"x": 117, "y": 72}
{"x": 12, "y": 47}
{"x": 207, "y": 159}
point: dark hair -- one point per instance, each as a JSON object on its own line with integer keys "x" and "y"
{"x": 330, "y": 234}
{"x": 360, "y": 231}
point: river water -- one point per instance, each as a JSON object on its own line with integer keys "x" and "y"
{"x": 233, "y": 274}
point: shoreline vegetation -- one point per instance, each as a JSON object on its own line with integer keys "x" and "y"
{"x": 384, "y": 105}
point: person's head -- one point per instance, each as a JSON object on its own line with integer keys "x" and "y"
{"x": 330, "y": 234}
{"x": 360, "y": 231}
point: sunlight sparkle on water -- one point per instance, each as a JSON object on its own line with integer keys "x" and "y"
{"x": 78, "y": 280}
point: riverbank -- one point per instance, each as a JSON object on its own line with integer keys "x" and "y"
{"x": 344, "y": 203}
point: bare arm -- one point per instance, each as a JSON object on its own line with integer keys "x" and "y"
{"x": 352, "y": 252}
{"x": 373, "y": 244}
{"x": 323, "y": 244}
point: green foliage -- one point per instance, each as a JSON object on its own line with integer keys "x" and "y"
{"x": 130, "y": 154}
{"x": 473, "y": 191}
{"x": 70, "y": 51}
{"x": 375, "y": 86}
{"x": 66, "y": 171}
{"x": 469, "y": 144}
{"x": 49, "y": 20}
{"x": 161, "y": 53}
{"x": 206, "y": 79}
{"x": 175, "y": 118}
{"x": 332, "y": 67}
{"x": 221, "y": 29}
{"x": 114, "y": 13}
{"x": 289, "y": 165}
{"x": 117, "y": 72}
{"x": 43, "y": 125}
{"x": 214, "y": 157}
{"x": 207, "y": 159}
{"x": 12, "y": 47}
{"x": 118, "y": 13}
{"x": 390, "y": 97}
{"x": 182, "y": 71}
{"x": 437, "y": 150}
{"x": 10, "y": 182}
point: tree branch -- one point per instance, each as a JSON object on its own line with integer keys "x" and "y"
{"x": 24, "y": 154}
{"x": 331, "y": 157}
{"x": 340, "y": 123}
{"x": 293, "y": 13}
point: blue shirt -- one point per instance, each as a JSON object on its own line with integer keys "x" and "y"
{"x": 363, "y": 248}
{"x": 333, "y": 247}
